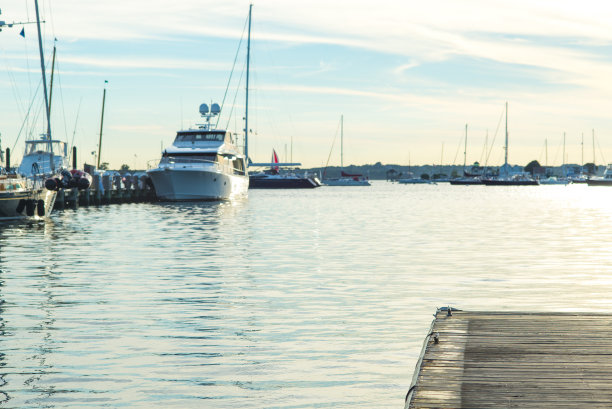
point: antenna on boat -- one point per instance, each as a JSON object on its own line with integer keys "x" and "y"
{"x": 246, "y": 109}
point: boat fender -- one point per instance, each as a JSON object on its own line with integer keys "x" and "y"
{"x": 30, "y": 205}
{"x": 52, "y": 184}
{"x": 66, "y": 179}
{"x": 40, "y": 207}
{"x": 20, "y": 206}
{"x": 83, "y": 183}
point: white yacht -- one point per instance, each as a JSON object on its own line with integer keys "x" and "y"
{"x": 201, "y": 164}
{"x": 44, "y": 157}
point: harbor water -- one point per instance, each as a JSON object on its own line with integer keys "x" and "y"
{"x": 288, "y": 299}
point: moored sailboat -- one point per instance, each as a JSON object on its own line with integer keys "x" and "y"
{"x": 345, "y": 179}
{"x": 24, "y": 195}
{"x": 505, "y": 178}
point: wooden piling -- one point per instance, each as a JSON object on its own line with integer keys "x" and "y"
{"x": 513, "y": 359}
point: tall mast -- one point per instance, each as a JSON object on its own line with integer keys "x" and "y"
{"x": 51, "y": 82}
{"x": 506, "y": 155}
{"x": 44, "y": 80}
{"x": 441, "y": 157}
{"x": 101, "y": 125}
{"x": 246, "y": 109}
{"x": 563, "y": 163}
{"x": 341, "y": 141}
{"x": 582, "y": 149}
{"x": 465, "y": 148}
{"x": 546, "y": 149}
{"x": 593, "y": 146}
{"x": 42, "y": 68}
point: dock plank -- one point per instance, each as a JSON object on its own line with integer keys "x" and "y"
{"x": 515, "y": 360}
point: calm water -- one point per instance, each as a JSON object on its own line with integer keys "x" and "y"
{"x": 290, "y": 299}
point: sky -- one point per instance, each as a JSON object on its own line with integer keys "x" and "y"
{"x": 406, "y": 77}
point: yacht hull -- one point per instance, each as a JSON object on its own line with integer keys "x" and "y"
{"x": 34, "y": 205}
{"x": 279, "y": 182}
{"x": 502, "y": 182}
{"x": 346, "y": 182}
{"x": 466, "y": 182}
{"x": 599, "y": 182}
{"x": 195, "y": 184}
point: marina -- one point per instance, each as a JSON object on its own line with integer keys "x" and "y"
{"x": 169, "y": 265}
{"x": 259, "y": 324}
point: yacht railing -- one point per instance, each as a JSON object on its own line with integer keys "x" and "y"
{"x": 173, "y": 162}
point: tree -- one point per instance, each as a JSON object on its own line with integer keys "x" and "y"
{"x": 590, "y": 168}
{"x": 124, "y": 168}
{"x": 425, "y": 176}
{"x": 531, "y": 166}
{"x": 104, "y": 166}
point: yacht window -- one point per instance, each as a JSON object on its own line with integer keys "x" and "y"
{"x": 200, "y": 136}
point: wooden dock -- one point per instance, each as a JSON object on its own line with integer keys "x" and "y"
{"x": 484, "y": 360}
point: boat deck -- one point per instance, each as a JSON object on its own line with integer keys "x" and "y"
{"x": 515, "y": 360}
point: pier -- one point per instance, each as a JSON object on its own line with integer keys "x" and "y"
{"x": 514, "y": 360}
{"x": 105, "y": 190}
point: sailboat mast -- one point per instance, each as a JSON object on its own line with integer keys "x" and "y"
{"x": 593, "y": 146}
{"x": 42, "y": 68}
{"x": 506, "y": 155}
{"x": 341, "y": 141}
{"x": 246, "y": 104}
{"x": 582, "y": 149}
{"x": 546, "y": 149}
{"x": 465, "y": 148}
{"x": 101, "y": 125}
{"x": 563, "y": 149}
{"x": 51, "y": 82}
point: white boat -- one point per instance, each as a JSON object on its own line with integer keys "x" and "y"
{"x": 414, "y": 181}
{"x": 605, "y": 180}
{"x": 553, "y": 180}
{"x": 204, "y": 163}
{"x": 201, "y": 164}
{"x": 345, "y": 179}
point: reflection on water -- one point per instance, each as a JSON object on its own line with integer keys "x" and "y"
{"x": 287, "y": 299}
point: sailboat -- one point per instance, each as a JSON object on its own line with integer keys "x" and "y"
{"x": 469, "y": 178}
{"x": 505, "y": 178}
{"x": 274, "y": 178}
{"x": 345, "y": 179}
{"x": 24, "y": 195}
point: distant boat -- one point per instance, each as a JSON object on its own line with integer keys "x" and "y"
{"x": 553, "y": 180}
{"x": 509, "y": 179}
{"x": 410, "y": 180}
{"x": 467, "y": 181}
{"x": 605, "y": 180}
{"x": 277, "y": 178}
{"x": 345, "y": 179}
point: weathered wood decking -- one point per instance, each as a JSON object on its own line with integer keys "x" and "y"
{"x": 515, "y": 360}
